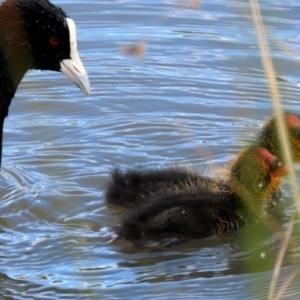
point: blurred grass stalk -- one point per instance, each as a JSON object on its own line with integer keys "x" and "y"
{"x": 283, "y": 136}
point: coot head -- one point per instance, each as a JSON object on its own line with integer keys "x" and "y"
{"x": 35, "y": 34}
{"x": 51, "y": 37}
{"x": 269, "y": 137}
{"x": 256, "y": 174}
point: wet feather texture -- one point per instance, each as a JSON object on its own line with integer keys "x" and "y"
{"x": 212, "y": 204}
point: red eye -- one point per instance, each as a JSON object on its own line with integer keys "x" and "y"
{"x": 53, "y": 40}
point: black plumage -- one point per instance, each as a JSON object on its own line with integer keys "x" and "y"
{"x": 34, "y": 34}
{"x": 198, "y": 206}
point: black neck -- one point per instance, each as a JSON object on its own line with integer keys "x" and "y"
{"x": 8, "y": 88}
{"x": 15, "y": 57}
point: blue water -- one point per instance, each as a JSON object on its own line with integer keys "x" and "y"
{"x": 197, "y": 96}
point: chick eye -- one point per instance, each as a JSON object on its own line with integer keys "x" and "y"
{"x": 53, "y": 40}
{"x": 275, "y": 165}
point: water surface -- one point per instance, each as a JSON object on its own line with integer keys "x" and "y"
{"x": 198, "y": 95}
